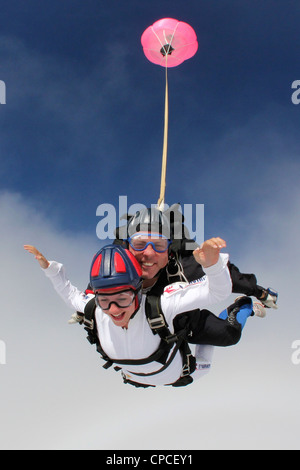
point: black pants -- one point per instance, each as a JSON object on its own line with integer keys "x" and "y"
{"x": 205, "y": 328}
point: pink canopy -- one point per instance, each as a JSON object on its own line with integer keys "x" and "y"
{"x": 169, "y": 42}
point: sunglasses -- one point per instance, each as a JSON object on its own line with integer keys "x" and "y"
{"x": 159, "y": 243}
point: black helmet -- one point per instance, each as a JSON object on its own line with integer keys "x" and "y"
{"x": 149, "y": 220}
{"x": 169, "y": 223}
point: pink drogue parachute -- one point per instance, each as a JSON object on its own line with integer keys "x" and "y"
{"x": 169, "y": 42}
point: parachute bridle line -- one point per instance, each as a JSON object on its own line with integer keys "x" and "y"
{"x": 161, "y": 200}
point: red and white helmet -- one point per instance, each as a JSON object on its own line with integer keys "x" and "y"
{"x": 114, "y": 267}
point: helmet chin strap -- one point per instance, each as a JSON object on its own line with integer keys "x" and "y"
{"x": 138, "y": 299}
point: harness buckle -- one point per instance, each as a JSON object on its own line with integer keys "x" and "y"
{"x": 175, "y": 266}
{"x": 171, "y": 339}
{"x": 89, "y": 323}
{"x": 186, "y": 370}
{"x": 158, "y": 322}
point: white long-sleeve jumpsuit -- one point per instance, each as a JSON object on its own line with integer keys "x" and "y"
{"x": 138, "y": 341}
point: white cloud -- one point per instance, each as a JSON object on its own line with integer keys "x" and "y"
{"x": 54, "y": 393}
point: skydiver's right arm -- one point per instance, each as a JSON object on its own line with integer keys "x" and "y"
{"x": 72, "y": 296}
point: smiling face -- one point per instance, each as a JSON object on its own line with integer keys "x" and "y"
{"x": 150, "y": 260}
{"x": 119, "y": 305}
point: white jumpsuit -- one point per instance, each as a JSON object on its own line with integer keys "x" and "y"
{"x": 138, "y": 341}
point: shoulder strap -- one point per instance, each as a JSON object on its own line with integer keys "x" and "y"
{"x": 90, "y": 327}
{"x": 156, "y": 319}
{"x": 89, "y": 313}
{"x": 158, "y": 325}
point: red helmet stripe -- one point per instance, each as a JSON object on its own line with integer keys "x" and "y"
{"x": 96, "y": 266}
{"x": 119, "y": 263}
{"x": 135, "y": 263}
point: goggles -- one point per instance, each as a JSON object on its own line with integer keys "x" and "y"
{"x": 140, "y": 241}
{"x": 121, "y": 299}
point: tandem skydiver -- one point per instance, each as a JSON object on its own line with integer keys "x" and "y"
{"x": 149, "y": 342}
{"x": 176, "y": 262}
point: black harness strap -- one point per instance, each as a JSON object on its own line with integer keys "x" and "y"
{"x": 156, "y": 319}
{"x": 168, "y": 362}
{"x": 158, "y": 325}
{"x": 90, "y": 326}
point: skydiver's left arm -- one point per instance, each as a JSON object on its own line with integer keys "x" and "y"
{"x": 214, "y": 287}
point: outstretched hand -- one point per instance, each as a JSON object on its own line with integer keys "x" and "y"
{"x": 44, "y": 263}
{"x": 208, "y": 253}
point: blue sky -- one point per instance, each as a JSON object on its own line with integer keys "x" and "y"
{"x": 83, "y": 125}
{"x": 83, "y": 122}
